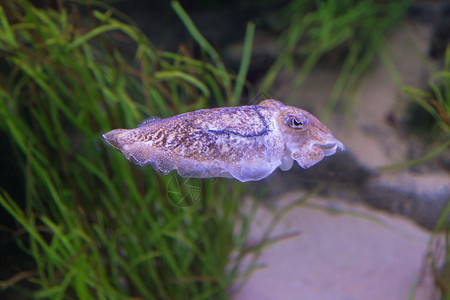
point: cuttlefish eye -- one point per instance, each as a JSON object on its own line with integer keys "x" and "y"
{"x": 296, "y": 122}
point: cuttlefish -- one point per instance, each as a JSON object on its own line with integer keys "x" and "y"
{"x": 245, "y": 142}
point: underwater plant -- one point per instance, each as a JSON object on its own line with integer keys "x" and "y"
{"x": 94, "y": 226}
{"x": 435, "y": 101}
{"x": 347, "y": 34}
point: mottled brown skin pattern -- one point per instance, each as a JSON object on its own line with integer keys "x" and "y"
{"x": 246, "y": 142}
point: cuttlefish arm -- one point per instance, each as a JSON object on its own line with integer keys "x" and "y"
{"x": 246, "y": 142}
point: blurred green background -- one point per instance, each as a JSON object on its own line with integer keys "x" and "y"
{"x": 80, "y": 222}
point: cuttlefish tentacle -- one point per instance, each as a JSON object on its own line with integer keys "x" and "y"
{"x": 245, "y": 142}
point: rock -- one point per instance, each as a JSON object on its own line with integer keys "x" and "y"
{"x": 355, "y": 253}
{"x": 420, "y": 197}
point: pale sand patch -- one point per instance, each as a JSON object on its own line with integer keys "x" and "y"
{"x": 353, "y": 253}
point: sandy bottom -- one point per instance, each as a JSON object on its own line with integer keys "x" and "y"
{"x": 358, "y": 253}
{"x": 342, "y": 252}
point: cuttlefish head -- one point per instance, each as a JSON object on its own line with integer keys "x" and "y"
{"x": 307, "y": 140}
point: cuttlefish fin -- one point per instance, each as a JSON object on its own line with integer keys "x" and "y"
{"x": 271, "y": 103}
{"x": 148, "y": 121}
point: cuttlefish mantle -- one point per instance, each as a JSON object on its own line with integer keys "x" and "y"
{"x": 245, "y": 142}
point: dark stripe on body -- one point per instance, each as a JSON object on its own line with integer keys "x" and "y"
{"x": 265, "y": 131}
